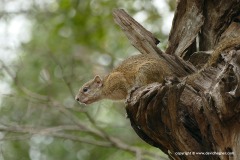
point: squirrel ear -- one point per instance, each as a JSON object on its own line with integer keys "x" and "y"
{"x": 98, "y": 80}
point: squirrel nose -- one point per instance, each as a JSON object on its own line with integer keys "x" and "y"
{"x": 76, "y": 98}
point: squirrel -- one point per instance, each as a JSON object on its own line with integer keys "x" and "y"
{"x": 135, "y": 71}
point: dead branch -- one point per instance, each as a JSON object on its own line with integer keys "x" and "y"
{"x": 141, "y": 39}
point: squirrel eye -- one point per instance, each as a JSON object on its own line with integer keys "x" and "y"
{"x": 85, "y": 89}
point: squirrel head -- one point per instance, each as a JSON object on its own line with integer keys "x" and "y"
{"x": 91, "y": 91}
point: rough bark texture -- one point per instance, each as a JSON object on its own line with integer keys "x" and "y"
{"x": 186, "y": 121}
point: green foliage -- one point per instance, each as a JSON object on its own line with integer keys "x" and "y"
{"x": 71, "y": 40}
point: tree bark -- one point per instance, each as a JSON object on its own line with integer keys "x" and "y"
{"x": 186, "y": 121}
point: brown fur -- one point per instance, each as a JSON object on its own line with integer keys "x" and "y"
{"x": 135, "y": 71}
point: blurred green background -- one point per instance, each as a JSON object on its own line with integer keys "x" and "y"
{"x": 48, "y": 49}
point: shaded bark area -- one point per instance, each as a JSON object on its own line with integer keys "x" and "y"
{"x": 186, "y": 121}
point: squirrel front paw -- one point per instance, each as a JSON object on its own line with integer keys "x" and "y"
{"x": 130, "y": 92}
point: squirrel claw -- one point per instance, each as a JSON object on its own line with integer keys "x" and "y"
{"x": 130, "y": 92}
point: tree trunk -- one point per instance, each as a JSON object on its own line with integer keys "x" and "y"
{"x": 199, "y": 120}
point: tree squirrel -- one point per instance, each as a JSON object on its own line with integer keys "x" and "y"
{"x": 135, "y": 71}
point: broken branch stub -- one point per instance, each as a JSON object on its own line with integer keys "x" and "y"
{"x": 140, "y": 38}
